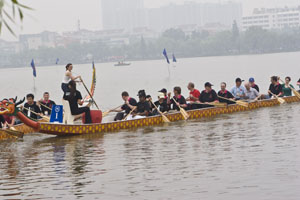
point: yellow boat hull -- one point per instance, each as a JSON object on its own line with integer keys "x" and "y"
{"x": 63, "y": 130}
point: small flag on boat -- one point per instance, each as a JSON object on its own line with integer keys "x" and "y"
{"x": 57, "y": 60}
{"x": 166, "y": 56}
{"x": 174, "y": 59}
{"x": 33, "y": 68}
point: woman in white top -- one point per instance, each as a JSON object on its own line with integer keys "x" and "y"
{"x": 68, "y": 77}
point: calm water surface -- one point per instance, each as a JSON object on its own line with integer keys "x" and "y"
{"x": 249, "y": 155}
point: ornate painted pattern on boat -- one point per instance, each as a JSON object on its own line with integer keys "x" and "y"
{"x": 61, "y": 129}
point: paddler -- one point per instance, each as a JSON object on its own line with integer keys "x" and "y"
{"x": 165, "y": 92}
{"x": 225, "y": 94}
{"x": 286, "y": 87}
{"x": 208, "y": 95}
{"x": 143, "y": 106}
{"x": 251, "y": 93}
{"x": 68, "y": 77}
{"x": 238, "y": 91}
{"x": 179, "y": 99}
{"x": 253, "y": 84}
{"x": 298, "y": 83}
{"x": 275, "y": 87}
{"x": 46, "y": 103}
{"x": 161, "y": 104}
{"x": 74, "y": 97}
{"x": 193, "y": 97}
{"x": 129, "y": 104}
{"x": 31, "y": 105}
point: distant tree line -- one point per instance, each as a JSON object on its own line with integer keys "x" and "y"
{"x": 253, "y": 41}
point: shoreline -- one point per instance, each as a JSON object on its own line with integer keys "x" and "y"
{"x": 152, "y": 59}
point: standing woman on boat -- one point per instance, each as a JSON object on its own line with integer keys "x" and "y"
{"x": 286, "y": 87}
{"x": 68, "y": 77}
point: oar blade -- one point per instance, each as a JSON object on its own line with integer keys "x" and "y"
{"x": 296, "y": 93}
{"x": 281, "y": 100}
{"x": 14, "y": 133}
{"x": 165, "y": 119}
{"x": 105, "y": 114}
{"x": 242, "y": 103}
{"x": 184, "y": 114}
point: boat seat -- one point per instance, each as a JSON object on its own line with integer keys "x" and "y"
{"x": 68, "y": 117}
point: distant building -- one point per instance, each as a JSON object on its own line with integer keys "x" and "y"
{"x": 35, "y": 41}
{"x": 123, "y": 14}
{"x": 273, "y": 18}
{"x": 131, "y": 14}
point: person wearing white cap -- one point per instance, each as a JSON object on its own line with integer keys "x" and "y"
{"x": 161, "y": 104}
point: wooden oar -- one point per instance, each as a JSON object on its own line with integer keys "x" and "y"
{"x": 89, "y": 93}
{"x": 296, "y": 93}
{"x": 45, "y": 117}
{"x": 125, "y": 118}
{"x": 279, "y": 99}
{"x": 46, "y": 106}
{"x": 109, "y": 111}
{"x": 12, "y": 131}
{"x": 216, "y": 104}
{"x": 165, "y": 119}
{"x": 182, "y": 111}
{"x": 239, "y": 102}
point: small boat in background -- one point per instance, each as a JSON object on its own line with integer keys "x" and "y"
{"x": 122, "y": 64}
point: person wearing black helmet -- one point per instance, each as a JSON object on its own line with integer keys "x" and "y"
{"x": 208, "y": 95}
{"x": 165, "y": 92}
{"x": 143, "y": 106}
{"x": 298, "y": 83}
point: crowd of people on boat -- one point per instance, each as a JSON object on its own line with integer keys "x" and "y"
{"x": 145, "y": 106}
{"x": 249, "y": 91}
{"x": 31, "y": 108}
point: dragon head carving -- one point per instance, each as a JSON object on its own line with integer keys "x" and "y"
{"x": 9, "y": 107}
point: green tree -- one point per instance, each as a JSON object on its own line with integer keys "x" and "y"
{"x": 175, "y": 34}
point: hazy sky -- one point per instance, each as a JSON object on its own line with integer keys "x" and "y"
{"x": 62, "y": 15}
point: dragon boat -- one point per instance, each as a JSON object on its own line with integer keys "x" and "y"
{"x": 23, "y": 128}
{"x": 69, "y": 130}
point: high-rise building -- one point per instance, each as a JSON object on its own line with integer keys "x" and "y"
{"x": 130, "y": 14}
{"x": 123, "y": 14}
{"x": 199, "y": 14}
{"x": 273, "y": 18}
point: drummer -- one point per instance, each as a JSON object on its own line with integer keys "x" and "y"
{"x": 68, "y": 77}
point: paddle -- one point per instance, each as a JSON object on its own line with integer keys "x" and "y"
{"x": 45, "y": 117}
{"x": 182, "y": 111}
{"x": 125, "y": 118}
{"x": 14, "y": 132}
{"x": 46, "y": 106}
{"x": 89, "y": 93}
{"x": 239, "y": 102}
{"x": 296, "y": 93}
{"x": 216, "y": 104}
{"x": 109, "y": 111}
{"x": 279, "y": 99}
{"x": 165, "y": 119}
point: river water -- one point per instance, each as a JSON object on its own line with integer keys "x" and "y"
{"x": 248, "y": 155}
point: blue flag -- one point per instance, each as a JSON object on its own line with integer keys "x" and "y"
{"x": 174, "y": 59}
{"x": 57, "y": 60}
{"x": 166, "y": 56}
{"x": 33, "y": 68}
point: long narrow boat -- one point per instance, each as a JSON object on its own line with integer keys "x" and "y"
{"x": 27, "y": 129}
{"x": 68, "y": 130}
